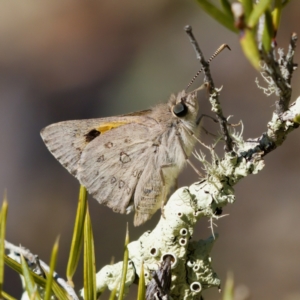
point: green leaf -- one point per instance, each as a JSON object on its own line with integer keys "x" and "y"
{"x": 225, "y": 19}
{"x": 249, "y": 46}
{"x": 229, "y": 288}
{"x": 17, "y": 267}
{"x": 125, "y": 266}
{"x": 113, "y": 293}
{"x": 297, "y": 119}
{"x": 3, "y": 218}
{"x": 7, "y": 296}
{"x": 258, "y": 10}
{"x": 248, "y": 7}
{"x": 48, "y": 290}
{"x": 276, "y": 15}
{"x": 268, "y": 33}
{"x": 89, "y": 260}
{"x": 227, "y": 8}
{"x": 59, "y": 292}
{"x": 142, "y": 286}
{"x": 31, "y": 287}
{"x": 77, "y": 235}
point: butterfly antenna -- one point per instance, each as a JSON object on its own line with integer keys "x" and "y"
{"x": 220, "y": 49}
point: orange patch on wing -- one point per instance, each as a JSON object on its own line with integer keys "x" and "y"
{"x": 109, "y": 126}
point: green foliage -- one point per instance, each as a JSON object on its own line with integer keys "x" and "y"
{"x": 223, "y": 17}
{"x": 228, "y": 293}
{"x": 141, "y": 288}
{"x": 113, "y": 294}
{"x": 249, "y": 46}
{"x": 3, "y": 218}
{"x": 248, "y": 7}
{"x": 34, "y": 283}
{"x": 257, "y": 11}
{"x": 7, "y": 296}
{"x": 125, "y": 266}
{"x": 89, "y": 260}
{"x": 227, "y": 8}
{"x": 268, "y": 31}
{"x": 77, "y": 239}
{"x": 246, "y": 23}
{"x": 30, "y": 285}
{"x": 59, "y": 292}
{"x": 48, "y": 290}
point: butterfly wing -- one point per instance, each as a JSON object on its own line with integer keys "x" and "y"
{"x": 150, "y": 192}
{"x": 107, "y": 155}
{"x": 110, "y": 166}
{"x": 159, "y": 176}
{"x": 66, "y": 140}
{"x": 115, "y": 159}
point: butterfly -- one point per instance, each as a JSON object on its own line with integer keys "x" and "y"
{"x": 129, "y": 161}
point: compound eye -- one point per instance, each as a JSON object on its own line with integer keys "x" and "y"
{"x": 180, "y": 109}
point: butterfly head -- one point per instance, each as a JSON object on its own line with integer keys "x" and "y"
{"x": 185, "y": 106}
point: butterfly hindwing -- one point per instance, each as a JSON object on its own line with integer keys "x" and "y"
{"x": 112, "y": 164}
{"x": 159, "y": 176}
{"x": 149, "y": 192}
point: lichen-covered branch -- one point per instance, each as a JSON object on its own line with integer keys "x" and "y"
{"x": 279, "y": 73}
{"x": 191, "y": 269}
{"x": 191, "y": 264}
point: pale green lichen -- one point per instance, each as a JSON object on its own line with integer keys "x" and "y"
{"x": 214, "y": 101}
{"x": 191, "y": 269}
{"x": 198, "y": 264}
{"x": 110, "y": 277}
{"x": 292, "y": 115}
{"x": 172, "y": 236}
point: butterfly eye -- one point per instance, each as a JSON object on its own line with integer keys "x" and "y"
{"x": 180, "y": 109}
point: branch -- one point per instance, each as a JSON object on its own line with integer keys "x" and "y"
{"x": 190, "y": 260}
{"x": 214, "y": 93}
{"x": 279, "y": 73}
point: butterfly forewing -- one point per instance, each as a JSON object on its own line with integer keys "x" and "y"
{"x": 131, "y": 157}
{"x": 66, "y": 141}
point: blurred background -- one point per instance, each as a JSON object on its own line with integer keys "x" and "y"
{"x": 62, "y": 60}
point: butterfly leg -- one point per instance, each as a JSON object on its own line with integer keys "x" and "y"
{"x": 196, "y": 138}
{"x": 203, "y": 128}
{"x": 186, "y": 157}
{"x": 207, "y": 116}
{"x": 215, "y": 120}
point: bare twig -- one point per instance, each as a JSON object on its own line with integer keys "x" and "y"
{"x": 214, "y": 95}
{"x": 220, "y": 49}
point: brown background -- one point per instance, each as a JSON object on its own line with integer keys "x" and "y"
{"x": 74, "y": 60}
